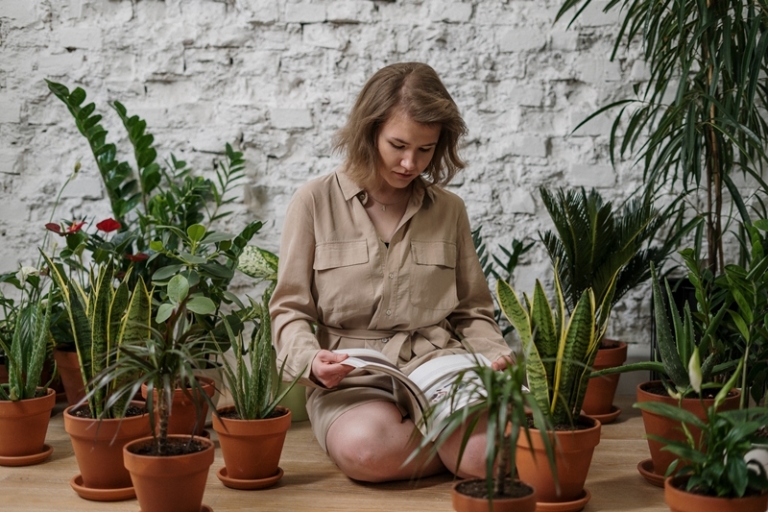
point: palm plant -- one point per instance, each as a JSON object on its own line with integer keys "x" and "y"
{"x": 593, "y": 242}
{"x": 560, "y": 349}
{"x": 500, "y": 396}
{"x": 699, "y": 118}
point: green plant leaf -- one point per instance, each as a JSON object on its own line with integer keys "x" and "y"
{"x": 196, "y": 232}
{"x": 178, "y": 288}
{"x": 201, "y": 305}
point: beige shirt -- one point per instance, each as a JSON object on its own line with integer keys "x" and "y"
{"x": 422, "y": 297}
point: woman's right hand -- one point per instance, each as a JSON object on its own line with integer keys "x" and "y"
{"x": 327, "y": 368}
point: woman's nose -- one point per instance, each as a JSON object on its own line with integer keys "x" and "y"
{"x": 408, "y": 162}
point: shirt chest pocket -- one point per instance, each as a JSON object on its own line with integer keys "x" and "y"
{"x": 433, "y": 275}
{"x": 343, "y": 276}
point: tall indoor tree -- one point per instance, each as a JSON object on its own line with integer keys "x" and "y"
{"x": 700, "y": 118}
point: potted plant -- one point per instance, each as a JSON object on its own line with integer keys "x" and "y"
{"x": 252, "y": 431}
{"x": 25, "y": 406}
{"x": 712, "y": 472}
{"x": 687, "y": 337}
{"x": 501, "y": 398}
{"x": 698, "y": 120}
{"x": 594, "y": 241}
{"x": 560, "y": 351}
{"x": 150, "y": 199}
{"x": 168, "y": 471}
{"x": 102, "y": 318}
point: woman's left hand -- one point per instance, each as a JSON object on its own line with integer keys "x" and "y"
{"x": 502, "y": 362}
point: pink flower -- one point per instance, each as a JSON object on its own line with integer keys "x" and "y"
{"x": 108, "y": 225}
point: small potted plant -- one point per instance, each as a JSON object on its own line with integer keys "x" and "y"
{"x": 252, "y": 431}
{"x": 168, "y": 471}
{"x": 502, "y": 399}
{"x": 678, "y": 342}
{"x": 560, "y": 351}
{"x": 25, "y": 406}
{"x": 713, "y": 472}
{"x": 594, "y": 241}
{"x": 102, "y": 318}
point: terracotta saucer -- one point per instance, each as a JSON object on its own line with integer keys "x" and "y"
{"x": 27, "y": 460}
{"x": 204, "y": 508}
{"x": 609, "y": 417}
{"x": 90, "y": 493}
{"x": 565, "y": 506}
{"x": 645, "y": 467}
{"x": 259, "y": 483}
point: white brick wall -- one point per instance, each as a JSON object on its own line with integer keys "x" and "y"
{"x": 277, "y": 77}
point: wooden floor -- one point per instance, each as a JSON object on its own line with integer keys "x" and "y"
{"x": 313, "y": 483}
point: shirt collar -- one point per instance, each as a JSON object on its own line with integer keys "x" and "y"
{"x": 350, "y": 188}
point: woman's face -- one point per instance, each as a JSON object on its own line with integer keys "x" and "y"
{"x": 405, "y": 150}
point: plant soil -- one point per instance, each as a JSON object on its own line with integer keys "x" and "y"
{"x": 699, "y": 492}
{"x": 174, "y": 447}
{"x": 479, "y": 489}
{"x": 709, "y": 394}
{"x": 85, "y": 412}
{"x": 233, "y": 415}
{"x": 606, "y": 344}
{"x": 580, "y": 424}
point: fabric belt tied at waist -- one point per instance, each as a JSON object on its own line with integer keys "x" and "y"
{"x": 401, "y": 346}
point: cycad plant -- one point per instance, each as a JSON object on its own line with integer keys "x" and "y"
{"x": 560, "y": 348}
{"x": 700, "y": 118}
{"x": 593, "y": 242}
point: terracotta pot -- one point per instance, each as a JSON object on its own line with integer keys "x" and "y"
{"x": 71, "y": 378}
{"x": 184, "y": 409}
{"x": 601, "y": 390}
{"x": 98, "y": 446}
{"x": 169, "y": 484}
{"x": 573, "y": 456}
{"x": 251, "y": 448}
{"x": 215, "y": 374}
{"x": 681, "y": 501}
{"x": 464, "y": 503}
{"x": 670, "y": 429}
{"x": 24, "y": 424}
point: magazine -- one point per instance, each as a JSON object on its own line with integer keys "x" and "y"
{"x": 426, "y": 385}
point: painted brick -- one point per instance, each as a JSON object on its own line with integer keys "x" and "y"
{"x": 260, "y": 11}
{"x": 325, "y": 36}
{"x": 80, "y": 37}
{"x": 451, "y": 12}
{"x": 20, "y": 13}
{"x": 521, "y": 39}
{"x": 288, "y": 118}
{"x": 351, "y": 11}
{"x": 304, "y": 13}
{"x": 59, "y": 65}
{"x": 10, "y": 109}
{"x": 591, "y": 175}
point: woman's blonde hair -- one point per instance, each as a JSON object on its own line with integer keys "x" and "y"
{"x": 413, "y": 89}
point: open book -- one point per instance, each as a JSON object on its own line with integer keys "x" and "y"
{"x": 426, "y": 385}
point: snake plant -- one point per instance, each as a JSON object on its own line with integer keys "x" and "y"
{"x": 559, "y": 350}
{"x": 103, "y": 318}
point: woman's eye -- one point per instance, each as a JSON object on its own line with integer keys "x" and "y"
{"x": 426, "y": 150}
{"x": 396, "y": 146}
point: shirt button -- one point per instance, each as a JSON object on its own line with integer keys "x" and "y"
{"x": 391, "y": 275}
{"x": 389, "y": 312}
{"x": 384, "y": 340}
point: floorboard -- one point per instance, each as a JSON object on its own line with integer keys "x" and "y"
{"x": 313, "y": 483}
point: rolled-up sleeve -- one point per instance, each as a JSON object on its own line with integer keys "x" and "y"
{"x": 473, "y": 317}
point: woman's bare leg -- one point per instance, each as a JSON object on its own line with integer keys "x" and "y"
{"x": 372, "y": 441}
{"x": 473, "y": 459}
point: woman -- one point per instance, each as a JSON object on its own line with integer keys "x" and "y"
{"x": 378, "y": 255}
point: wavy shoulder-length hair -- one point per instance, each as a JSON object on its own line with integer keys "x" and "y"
{"x": 409, "y": 88}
